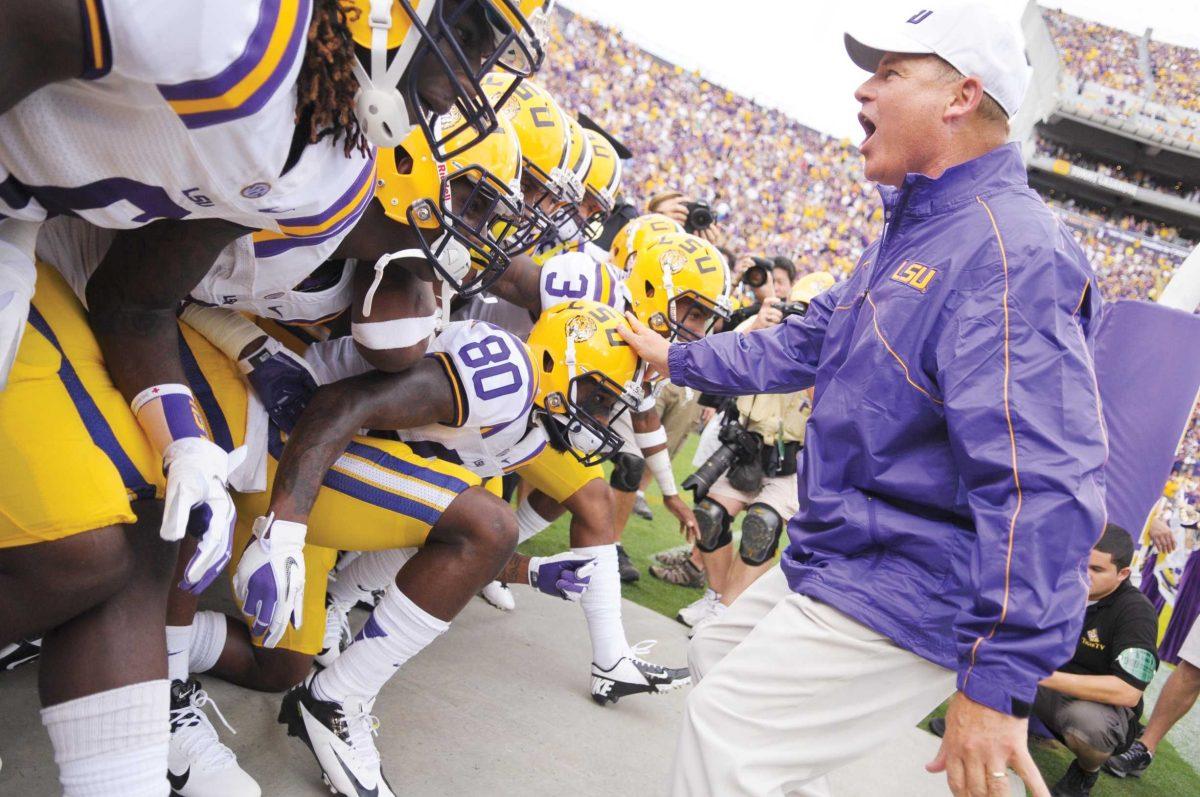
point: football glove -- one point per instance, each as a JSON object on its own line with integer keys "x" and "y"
{"x": 565, "y": 575}
{"x": 269, "y": 582}
{"x": 198, "y": 503}
{"x": 282, "y": 381}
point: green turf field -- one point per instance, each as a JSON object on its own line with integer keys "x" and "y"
{"x": 1169, "y": 775}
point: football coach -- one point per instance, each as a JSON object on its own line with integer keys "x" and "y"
{"x": 951, "y": 484}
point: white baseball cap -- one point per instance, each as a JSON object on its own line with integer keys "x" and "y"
{"x": 971, "y": 37}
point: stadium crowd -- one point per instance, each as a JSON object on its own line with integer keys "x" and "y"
{"x": 1118, "y": 171}
{"x": 1096, "y": 52}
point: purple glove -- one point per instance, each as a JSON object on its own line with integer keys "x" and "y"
{"x": 282, "y": 381}
{"x": 564, "y": 575}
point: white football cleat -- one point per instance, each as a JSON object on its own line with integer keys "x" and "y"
{"x": 198, "y": 765}
{"x": 337, "y": 633}
{"x": 340, "y": 738}
{"x": 632, "y": 676}
{"x": 499, "y": 595}
{"x": 698, "y": 608}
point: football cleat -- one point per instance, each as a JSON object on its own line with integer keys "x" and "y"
{"x": 337, "y": 633}
{"x": 499, "y": 595}
{"x": 673, "y": 556}
{"x": 198, "y": 765}
{"x": 340, "y": 738}
{"x": 20, "y": 652}
{"x": 632, "y": 676}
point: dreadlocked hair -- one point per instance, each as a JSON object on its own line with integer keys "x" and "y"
{"x": 326, "y": 85}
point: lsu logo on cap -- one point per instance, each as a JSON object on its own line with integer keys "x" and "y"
{"x": 914, "y": 275}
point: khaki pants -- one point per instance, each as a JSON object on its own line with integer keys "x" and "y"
{"x": 790, "y": 690}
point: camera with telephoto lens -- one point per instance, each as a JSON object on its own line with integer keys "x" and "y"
{"x": 737, "y": 444}
{"x": 756, "y": 276}
{"x": 699, "y": 217}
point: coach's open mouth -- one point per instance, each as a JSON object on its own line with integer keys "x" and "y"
{"x": 868, "y": 126}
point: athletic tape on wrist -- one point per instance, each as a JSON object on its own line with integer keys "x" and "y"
{"x": 656, "y": 437}
{"x": 660, "y": 465}
{"x": 168, "y": 413}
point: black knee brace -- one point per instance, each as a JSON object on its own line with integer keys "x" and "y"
{"x": 627, "y": 472}
{"x": 760, "y": 534}
{"x": 714, "y": 522}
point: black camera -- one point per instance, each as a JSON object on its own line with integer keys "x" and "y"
{"x": 793, "y": 308}
{"x": 737, "y": 444}
{"x": 756, "y": 276}
{"x": 699, "y": 217}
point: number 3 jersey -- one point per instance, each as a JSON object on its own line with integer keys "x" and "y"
{"x": 493, "y": 382}
{"x": 578, "y": 275}
{"x": 185, "y": 110}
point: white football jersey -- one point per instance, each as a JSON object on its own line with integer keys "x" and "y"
{"x": 282, "y": 287}
{"x": 577, "y": 275}
{"x": 186, "y": 110}
{"x": 494, "y": 383}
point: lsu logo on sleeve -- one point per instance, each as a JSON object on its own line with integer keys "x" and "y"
{"x": 914, "y": 275}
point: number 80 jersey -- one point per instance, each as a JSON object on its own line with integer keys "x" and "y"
{"x": 494, "y": 385}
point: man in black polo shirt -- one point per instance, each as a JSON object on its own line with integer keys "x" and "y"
{"x": 1093, "y": 702}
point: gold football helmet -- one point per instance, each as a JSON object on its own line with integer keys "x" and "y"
{"x": 472, "y": 200}
{"x": 550, "y": 185}
{"x": 455, "y": 42}
{"x": 810, "y": 286}
{"x": 600, "y": 185}
{"x": 639, "y": 233}
{"x": 679, "y": 286}
{"x": 587, "y": 376}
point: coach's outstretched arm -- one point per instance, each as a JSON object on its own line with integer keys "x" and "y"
{"x": 782, "y": 359}
{"x": 1023, "y": 415}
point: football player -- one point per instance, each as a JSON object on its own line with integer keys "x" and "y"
{"x": 210, "y": 148}
{"x": 424, "y": 210}
{"x": 481, "y": 399}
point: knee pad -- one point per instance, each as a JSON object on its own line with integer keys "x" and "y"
{"x": 760, "y": 534}
{"x": 714, "y": 522}
{"x": 627, "y": 472}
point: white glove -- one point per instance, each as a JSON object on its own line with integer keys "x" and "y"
{"x": 269, "y": 582}
{"x": 198, "y": 503}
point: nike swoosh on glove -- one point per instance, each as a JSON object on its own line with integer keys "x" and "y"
{"x": 281, "y": 379}
{"x": 565, "y": 575}
{"x": 198, "y": 503}
{"x": 269, "y": 582}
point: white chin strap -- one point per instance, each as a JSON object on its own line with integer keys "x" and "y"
{"x": 378, "y": 105}
{"x": 380, "y": 265}
{"x": 454, "y": 258}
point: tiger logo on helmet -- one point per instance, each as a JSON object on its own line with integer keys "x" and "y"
{"x": 678, "y": 286}
{"x": 587, "y": 376}
{"x": 430, "y": 34}
{"x": 638, "y": 234}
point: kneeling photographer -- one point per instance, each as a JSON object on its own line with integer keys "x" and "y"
{"x": 753, "y": 471}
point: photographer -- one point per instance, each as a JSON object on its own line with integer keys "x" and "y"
{"x": 754, "y": 472}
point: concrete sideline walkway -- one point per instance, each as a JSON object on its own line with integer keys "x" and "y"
{"x": 499, "y": 705}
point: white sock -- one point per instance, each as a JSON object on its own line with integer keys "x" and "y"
{"x": 179, "y": 642}
{"x": 208, "y": 640}
{"x": 113, "y": 742}
{"x": 529, "y": 522}
{"x": 396, "y": 631}
{"x": 373, "y": 570}
{"x": 602, "y": 606}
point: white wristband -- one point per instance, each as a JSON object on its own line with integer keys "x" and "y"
{"x": 660, "y": 465}
{"x": 650, "y": 439}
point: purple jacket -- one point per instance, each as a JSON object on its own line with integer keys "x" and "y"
{"x": 951, "y": 483}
